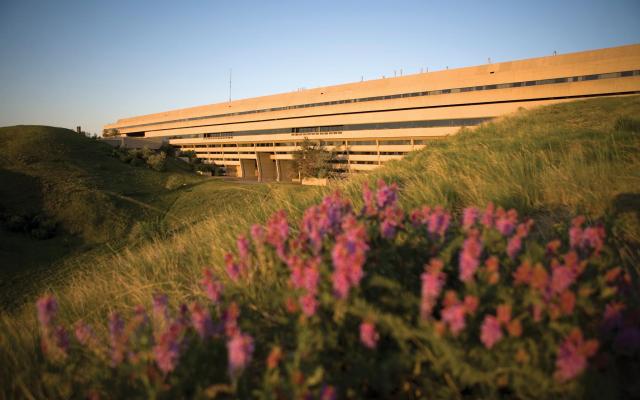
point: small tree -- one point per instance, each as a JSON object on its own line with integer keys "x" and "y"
{"x": 110, "y": 132}
{"x": 313, "y": 160}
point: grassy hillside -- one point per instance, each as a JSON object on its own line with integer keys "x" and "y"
{"x": 96, "y": 203}
{"x": 548, "y": 163}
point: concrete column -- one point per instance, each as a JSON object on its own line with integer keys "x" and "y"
{"x": 266, "y": 167}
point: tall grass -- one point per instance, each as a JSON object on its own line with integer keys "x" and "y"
{"x": 547, "y": 163}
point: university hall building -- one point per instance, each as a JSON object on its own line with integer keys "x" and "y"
{"x": 366, "y": 124}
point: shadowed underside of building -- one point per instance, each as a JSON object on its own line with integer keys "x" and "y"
{"x": 366, "y": 124}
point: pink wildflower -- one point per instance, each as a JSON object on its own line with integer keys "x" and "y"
{"x": 212, "y": 288}
{"x": 470, "y": 256}
{"x": 278, "y": 231}
{"x": 167, "y": 350}
{"x": 201, "y": 320}
{"x": 84, "y": 333}
{"x": 561, "y": 278}
{"x": 575, "y": 232}
{"x": 328, "y": 393}
{"x": 386, "y": 196}
{"x": 438, "y": 221}
{"x": 368, "y": 335}
{"x": 369, "y": 208}
{"x": 432, "y": 284}
{"x": 230, "y": 319}
{"x": 234, "y": 269}
{"x": 469, "y": 216}
{"x": 240, "y": 350}
{"x": 453, "y": 316}
{"x": 503, "y": 313}
{"x": 308, "y": 304}
{"x": 513, "y": 246}
{"x": 471, "y": 304}
{"x": 258, "y": 234}
{"x": 243, "y": 249}
{"x": 506, "y": 221}
{"x": 490, "y": 332}
{"x": 572, "y": 355}
{"x": 487, "y": 216}
{"x": 391, "y": 220}
{"x": 348, "y": 256}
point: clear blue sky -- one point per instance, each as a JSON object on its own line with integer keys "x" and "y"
{"x": 88, "y": 63}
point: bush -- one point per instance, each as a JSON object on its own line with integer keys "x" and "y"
{"x": 377, "y": 303}
{"x": 313, "y": 160}
{"x": 627, "y": 124}
{"x": 37, "y": 226}
{"x": 157, "y": 161}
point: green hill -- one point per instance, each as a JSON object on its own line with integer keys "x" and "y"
{"x": 62, "y": 193}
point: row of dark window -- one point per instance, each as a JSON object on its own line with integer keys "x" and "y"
{"x": 433, "y": 123}
{"x": 411, "y": 94}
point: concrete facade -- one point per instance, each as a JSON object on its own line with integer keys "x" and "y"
{"x": 369, "y": 123}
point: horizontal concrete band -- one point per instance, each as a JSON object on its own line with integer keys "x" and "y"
{"x": 551, "y": 81}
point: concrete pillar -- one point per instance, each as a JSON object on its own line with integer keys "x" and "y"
{"x": 266, "y": 167}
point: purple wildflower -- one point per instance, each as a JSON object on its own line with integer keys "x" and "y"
{"x": 160, "y": 310}
{"x": 438, "y": 221}
{"x": 61, "y": 340}
{"x": 167, "y": 350}
{"x": 386, "y": 195}
{"x": 506, "y": 221}
{"x": 470, "y": 256}
{"x": 47, "y": 309}
{"x": 368, "y": 335}
{"x": 240, "y": 349}
{"x": 391, "y": 220}
{"x": 453, "y": 316}
{"x": 328, "y": 393}
{"x": 212, "y": 288}
{"x": 117, "y": 338}
{"x": 469, "y": 216}
{"x": 201, "y": 320}
{"x": 612, "y": 317}
{"x": 627, "y": 341}
{"x": 490, "y": 332}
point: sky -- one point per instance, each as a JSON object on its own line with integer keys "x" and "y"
{"x": 89, "y": 63}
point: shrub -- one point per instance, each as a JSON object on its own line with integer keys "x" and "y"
{"x": 627, "y": 124}
{"x": 377, "y": 303}
{"x": 157, "y": 161}
{"x": 313, "y": 160}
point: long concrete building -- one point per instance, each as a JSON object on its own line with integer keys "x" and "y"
{"x": 369, "y": 123}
